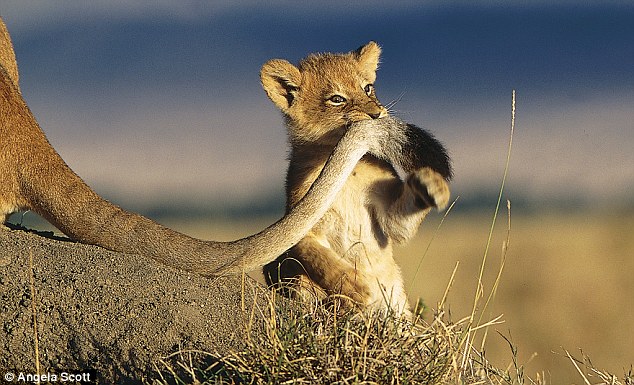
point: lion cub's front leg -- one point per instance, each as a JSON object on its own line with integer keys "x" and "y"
{"x": 400, "y": 207}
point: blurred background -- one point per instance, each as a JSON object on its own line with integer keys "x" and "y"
{"x": 158, "y": 106}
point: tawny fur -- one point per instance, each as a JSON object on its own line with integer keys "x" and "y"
{"x": 34, "y": 177}
{"x": 349, "y": 251}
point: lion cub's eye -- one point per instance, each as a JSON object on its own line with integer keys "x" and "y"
{"x": 368, "y": 89}
{"x": 337, "y": 99}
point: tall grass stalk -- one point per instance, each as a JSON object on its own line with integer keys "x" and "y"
{"x": 496, "y": 283}
{"x": 479, "y": 292}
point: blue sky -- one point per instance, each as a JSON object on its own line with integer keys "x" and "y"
{"x": 161, "y": 101}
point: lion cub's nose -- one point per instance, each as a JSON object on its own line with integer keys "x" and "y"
{"x": 380, "y": 114}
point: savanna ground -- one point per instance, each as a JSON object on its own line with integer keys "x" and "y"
{"x": 567, "y": 282}
{"x": 566, "y": 285}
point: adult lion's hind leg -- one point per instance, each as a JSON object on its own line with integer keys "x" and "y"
{"x": 6, "y": 209}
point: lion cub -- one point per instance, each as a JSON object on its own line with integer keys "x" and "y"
{"x": 349, "y": 251}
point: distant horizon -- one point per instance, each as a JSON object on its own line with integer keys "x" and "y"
{"x": 272, "y": 205}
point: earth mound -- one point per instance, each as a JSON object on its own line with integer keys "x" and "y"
{"x": 112, "y": 315}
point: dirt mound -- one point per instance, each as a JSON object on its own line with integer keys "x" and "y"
{"x": 108, "y": 314}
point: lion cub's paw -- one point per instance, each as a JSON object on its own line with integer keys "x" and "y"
{"x": 429, "y": 188}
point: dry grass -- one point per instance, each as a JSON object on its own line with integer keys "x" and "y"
{"x": 289, "y": 342}
{"x": 329, "y": 347}
{"x": 295, "y": 343}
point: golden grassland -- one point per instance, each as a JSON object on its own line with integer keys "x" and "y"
{"x": 567, "y": 283}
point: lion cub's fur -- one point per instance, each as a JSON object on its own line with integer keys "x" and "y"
{"x": 349, "y": 251}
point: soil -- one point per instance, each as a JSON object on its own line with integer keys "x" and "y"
{"x": 112, "y": 315}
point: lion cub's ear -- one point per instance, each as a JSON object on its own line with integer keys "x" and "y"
{"x": 368, "y": 58}
{"x": 280, "y": 80}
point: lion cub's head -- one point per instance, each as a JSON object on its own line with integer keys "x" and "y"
{"x": 325, "y": 93}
